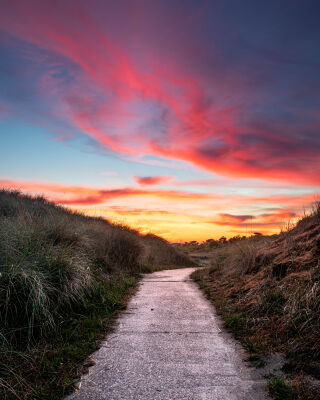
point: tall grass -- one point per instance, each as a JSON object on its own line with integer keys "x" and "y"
{"x": 237, "y": 258}
{"x": 157, "y": 252}
{"x": 57, "y": 267}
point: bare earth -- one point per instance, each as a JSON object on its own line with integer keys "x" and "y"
{"x": 169, "y": 345}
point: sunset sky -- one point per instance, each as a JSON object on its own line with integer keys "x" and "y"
{"x": 189, "y": 119}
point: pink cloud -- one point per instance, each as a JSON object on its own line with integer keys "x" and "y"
{"x": 272, "y": 219}
{"x": 234, "y": 220}
{"x": 152, "y": 180}
{"x": 70, "y": 194}
{"x": 177, "y": 205}
{"x": 137, "y": 101}
{"x": 86, "y": 195}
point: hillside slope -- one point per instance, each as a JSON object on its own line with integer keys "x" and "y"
{"x": 268, "y": 292}
{"x": 62, "y": 278}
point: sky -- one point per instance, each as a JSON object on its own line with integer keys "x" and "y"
{"x": 187, "y": 119}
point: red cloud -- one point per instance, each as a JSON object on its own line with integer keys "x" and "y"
{"x": 138, "y": 211}
{"x": 152, "y": 180}
{"x": 81, "y": 195}
{"x": 77, "y": 195}
{"x": 233, "y": 220}
{"x": 273, "y": 219}
{"x": 192, "y": 206}
{"x": 165, "y": 102}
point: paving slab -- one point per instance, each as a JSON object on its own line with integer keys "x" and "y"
{"x": 170, "y": 345}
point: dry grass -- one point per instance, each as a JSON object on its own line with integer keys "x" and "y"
{"x": 157, "y": 253}
{"x": 268, "y": 292}
{"x": 238, "y": 258}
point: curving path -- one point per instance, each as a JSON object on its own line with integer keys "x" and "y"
{"x": 169, "y": 345}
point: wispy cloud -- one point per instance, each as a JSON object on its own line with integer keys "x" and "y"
{"x": 275, "y": 219}
{"x": 130, "y": 103}
{"x": 173, "y": 208}
{"x": 86, "y": 195}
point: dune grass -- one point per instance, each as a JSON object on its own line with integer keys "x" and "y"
{"x": 50, "y": 367}
{"x": 268, "y": 292}
{"x": 63, "y": 278}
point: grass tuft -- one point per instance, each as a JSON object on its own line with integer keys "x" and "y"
{"x": 280, "y": 389}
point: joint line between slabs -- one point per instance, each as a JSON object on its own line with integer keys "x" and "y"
{"x": 167, "y": 332}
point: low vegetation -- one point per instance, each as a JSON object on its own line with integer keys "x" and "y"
{"x": 267, "y": 289}
{"x": 63, "y": 277}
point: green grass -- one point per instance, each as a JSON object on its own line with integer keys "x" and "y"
{"x": 51, "y": 369}
{"x": 280, "y": 389}
{"x": 63, "y": 278}
{"x": 273, "y": 301}
{"x": 236, "y": 324}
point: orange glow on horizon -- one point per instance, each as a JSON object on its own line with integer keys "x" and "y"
{"x": 175, "y": 215}
{"x": 178, "y": 227}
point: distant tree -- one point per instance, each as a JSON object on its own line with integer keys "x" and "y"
{"x": 234, "y": 239}
{"x": 257, "y": 234}
{"x": 211, "y": 242}
{"x": 223, "y": 239}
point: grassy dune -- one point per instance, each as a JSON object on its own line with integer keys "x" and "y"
{"x": 63, "y": 277}
{"x": 267, "y": 289}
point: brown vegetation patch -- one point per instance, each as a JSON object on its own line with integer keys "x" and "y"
{"x": 268, "y": 292}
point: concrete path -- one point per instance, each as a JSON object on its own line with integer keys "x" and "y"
{"x": 169, "y": 345}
